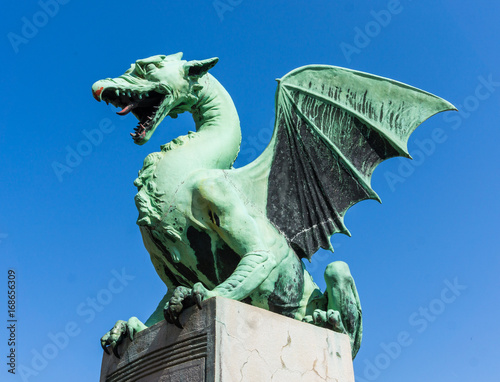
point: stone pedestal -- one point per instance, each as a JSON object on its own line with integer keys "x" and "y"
{"x": 229, "y": 341}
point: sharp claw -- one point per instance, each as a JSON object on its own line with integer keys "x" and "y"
{"x": 104, "y": 347}
{"x": 197, "y": 298}
{"x": 130, "y": 334}
{"x": 115, "y": 351}
{"x": 173, "y": 318}
{"x": 177, "y": 323}
{"x": 166, "y": 315}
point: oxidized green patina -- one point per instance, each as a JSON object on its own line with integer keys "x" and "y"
{"x": 213, "y": 230}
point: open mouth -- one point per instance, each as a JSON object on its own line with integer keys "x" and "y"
{"x": 149, "y": 107}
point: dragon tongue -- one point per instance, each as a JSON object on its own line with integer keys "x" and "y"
{"x": 127, "y": 109}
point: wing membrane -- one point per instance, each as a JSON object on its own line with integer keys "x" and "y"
{"x": 333, "y": 127}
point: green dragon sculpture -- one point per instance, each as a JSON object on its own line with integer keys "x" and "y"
{"x": 214, "y": 230}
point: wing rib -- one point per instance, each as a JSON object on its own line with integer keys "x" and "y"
{"x": 341, "y": 157}
{"x": 392, "y": 141}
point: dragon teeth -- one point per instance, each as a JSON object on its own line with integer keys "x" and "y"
{"x": 117, "y": 92}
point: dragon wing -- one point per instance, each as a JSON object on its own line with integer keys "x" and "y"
{"x": 333, "y": 127}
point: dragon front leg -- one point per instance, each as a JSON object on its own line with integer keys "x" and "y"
{"x": 251, "y": 238}
{"x": 219, "y": 205}
{"x": 252, "y": 270}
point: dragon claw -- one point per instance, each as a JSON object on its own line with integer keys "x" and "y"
{"x": 319, "y": 317}
{"x": 104, "y": 347}
{"x": 121, "y": 330}
{"x": 181, "y": 299}
{"x": 198, "y": 300}
{"x": 200, "y": 293}
{"x": 114, "y": 346}
{"x": 166, "y": 315}
{"x": 178, "y": 323}
{"x": 330, "y": 318}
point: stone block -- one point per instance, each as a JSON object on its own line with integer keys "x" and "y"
{"x": 229, "y": 341}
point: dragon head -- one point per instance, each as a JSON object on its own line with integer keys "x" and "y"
{"x": 153, "y": 88}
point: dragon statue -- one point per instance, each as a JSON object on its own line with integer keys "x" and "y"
{"x": 215, "y": 230}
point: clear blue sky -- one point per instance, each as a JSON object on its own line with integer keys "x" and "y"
{"x": 67, "y": 234}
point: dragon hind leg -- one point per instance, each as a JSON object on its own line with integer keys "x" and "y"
{"x": 342, "y": 297}
{"x": 339, "y": 308}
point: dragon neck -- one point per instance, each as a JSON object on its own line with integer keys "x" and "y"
{"x": 218, "y": 135}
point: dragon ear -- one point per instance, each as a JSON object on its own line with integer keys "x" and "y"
{"x": 173, "y": 57}
{"x": 199, "y": 68}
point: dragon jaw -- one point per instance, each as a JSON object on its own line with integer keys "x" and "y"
{"x": 152, "y": 89}
{"x": 149, "y": 107}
